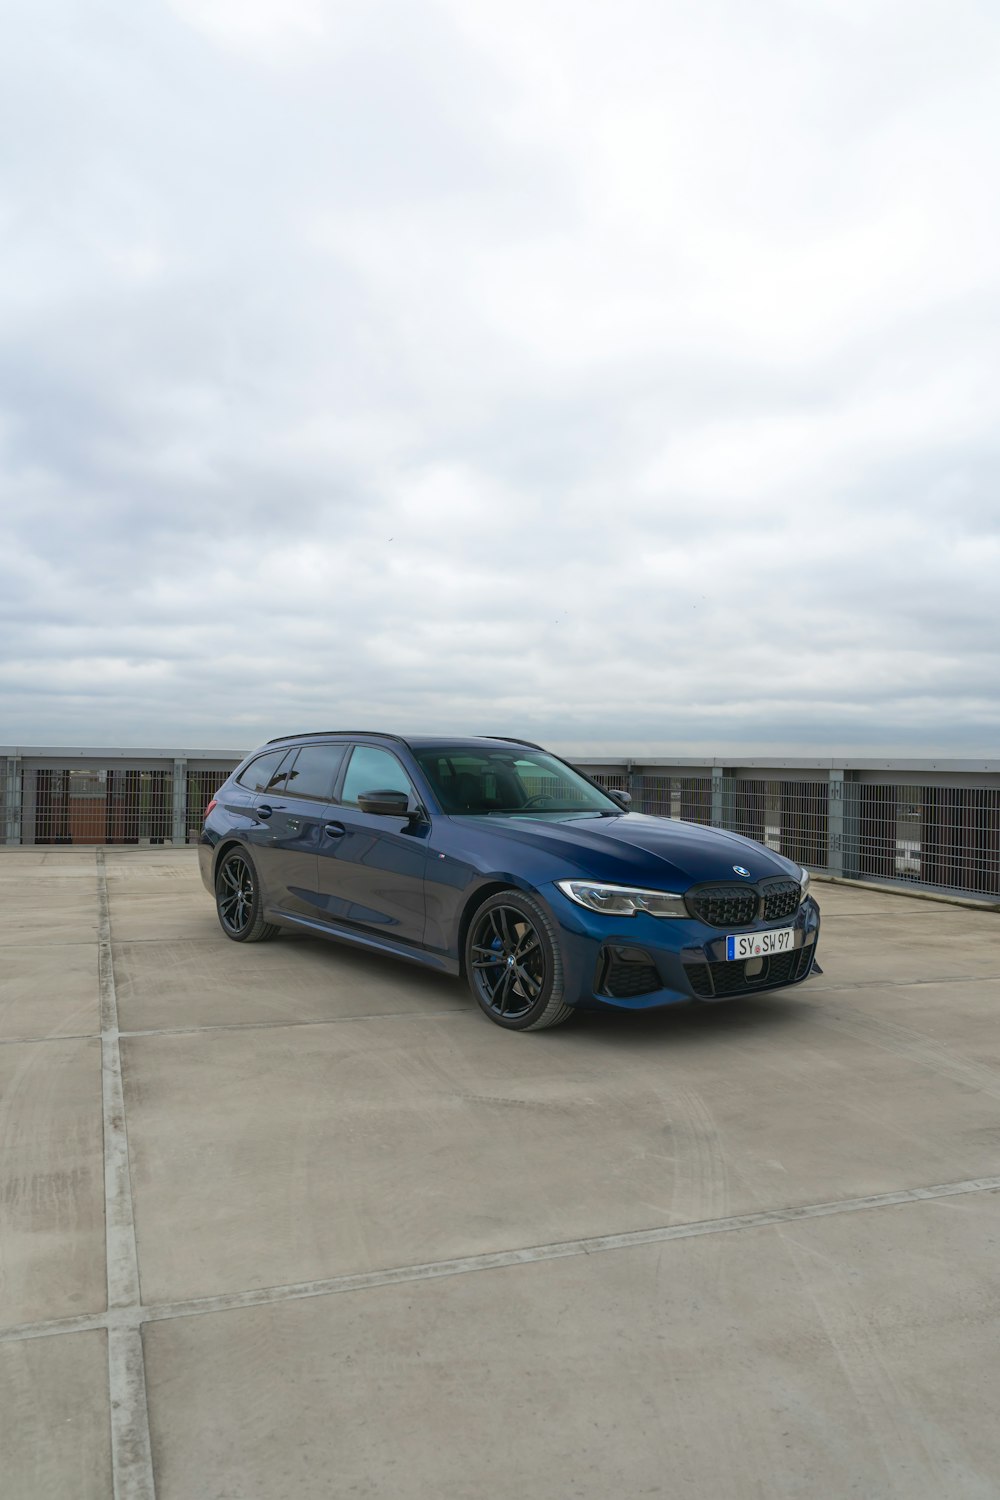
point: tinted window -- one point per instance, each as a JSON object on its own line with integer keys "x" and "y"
{"x": 373, "y": 770}
{"x": 279, "y": 781}
{"x": 470, "y": 780}
{"x": 259, "y": 772}
{"x": 315, "y": 771}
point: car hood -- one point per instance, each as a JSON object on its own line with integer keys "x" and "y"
{"x": 636, "y": 847}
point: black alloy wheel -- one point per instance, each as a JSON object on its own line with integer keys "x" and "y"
{"x": 237, "y": 900}
{"x": 513, "y": 963}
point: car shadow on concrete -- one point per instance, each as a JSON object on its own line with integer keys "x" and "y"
{"x": 676, "y": 1024}
{"x": 670, "y": 1025}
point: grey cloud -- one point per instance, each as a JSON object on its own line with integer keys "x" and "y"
{"x": 467, "y": 368}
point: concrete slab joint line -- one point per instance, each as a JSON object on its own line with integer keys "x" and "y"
{"x": 125, "y": 1323}
{"x": 131, "y": 1455}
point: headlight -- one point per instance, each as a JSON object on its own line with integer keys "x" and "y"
{"x": 622, "y": 900}
{"x": 804, "y": 884}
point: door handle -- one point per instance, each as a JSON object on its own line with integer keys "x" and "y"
{"x": 335, "y": 830}
{"x": 263, "y": 812}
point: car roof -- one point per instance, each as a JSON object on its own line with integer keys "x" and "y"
{"x": 413, "y": 742}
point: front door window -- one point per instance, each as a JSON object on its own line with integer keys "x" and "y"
{"x": 373, "y": 770}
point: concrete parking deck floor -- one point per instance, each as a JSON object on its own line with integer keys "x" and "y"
{"x": 356, "y": 1241}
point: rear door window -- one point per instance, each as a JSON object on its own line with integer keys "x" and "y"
{"x": 260, "y": 773}
{"x": 315, "y": 771}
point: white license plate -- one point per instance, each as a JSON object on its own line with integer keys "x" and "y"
{"x": 761, "y": 944}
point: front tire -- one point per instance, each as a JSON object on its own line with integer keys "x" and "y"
{"x": 238, "y": 901}
{"x": 513, "y": 963}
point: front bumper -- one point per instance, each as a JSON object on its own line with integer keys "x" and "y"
{"x": 644, "y": 962}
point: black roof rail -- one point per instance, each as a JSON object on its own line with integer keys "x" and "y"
{"x": 383, "y": 734}
{"x": 513, "y": 739}
{"x": 309, "y": 734}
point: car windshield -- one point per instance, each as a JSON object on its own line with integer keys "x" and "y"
{"x": 470, "y": 780}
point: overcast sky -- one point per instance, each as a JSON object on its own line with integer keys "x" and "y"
{"x": 621, "y": 373}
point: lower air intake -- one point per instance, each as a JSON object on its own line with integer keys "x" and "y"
{"x": 625, "y": 976}
{"x": 710, "y": 981}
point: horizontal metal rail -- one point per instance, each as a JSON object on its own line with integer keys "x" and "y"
{"x": 927, "y": 824}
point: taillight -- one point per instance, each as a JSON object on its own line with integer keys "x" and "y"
{"x": 210, "y": 806}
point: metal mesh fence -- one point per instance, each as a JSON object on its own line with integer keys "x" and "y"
{"x": 69, "y": 805}
{"x": 611, "y": 781}
{"x": 790, "y": 817}
{"x": 946, "y": 837}
{"x": 686, "y": 797}
{"x": 940, "y": 835}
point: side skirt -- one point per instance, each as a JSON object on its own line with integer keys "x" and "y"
{"x": 438, "y": 961}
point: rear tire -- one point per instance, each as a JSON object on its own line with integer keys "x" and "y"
{"x": 513, "y": 963}
{"x": 238, "y": 902}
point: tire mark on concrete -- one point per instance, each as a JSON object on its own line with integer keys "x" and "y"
{"x": 911, "y": 1466}
{"x": 701, "y": 1186}
{"x": 907, "y": 1041}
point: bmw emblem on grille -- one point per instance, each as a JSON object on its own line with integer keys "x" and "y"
{"x": 739, "y": 870}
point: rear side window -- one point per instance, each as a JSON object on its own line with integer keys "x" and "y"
{"x": 315, "y": 771}
{"x": 260, "y": 773}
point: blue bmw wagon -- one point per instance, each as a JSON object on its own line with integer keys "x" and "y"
{"x": 493, "y": 859}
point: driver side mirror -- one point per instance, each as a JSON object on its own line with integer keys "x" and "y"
{"x": 386, "y": 804}
{"x": 624, "y": 799}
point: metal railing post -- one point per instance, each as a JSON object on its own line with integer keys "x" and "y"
{"x": 851, "y": 827}
{"x": 12, "y": 799}
{"x": 718, "y": 814}
{"x": 179, "y": 828}
{"x": 835, "y": 824}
